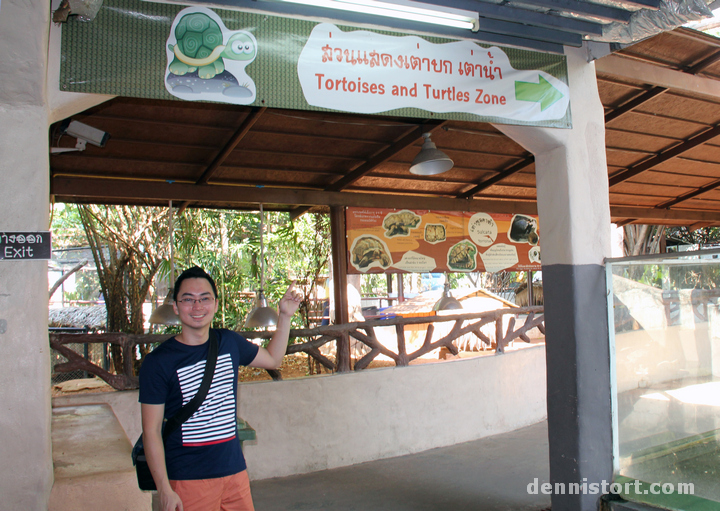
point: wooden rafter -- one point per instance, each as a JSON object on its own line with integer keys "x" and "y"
{"x": 385, "y": 155}
{"x": 687, "y": 196}
{"x": 664, "y": 156}
{"x": 119, "y": 190}
{"x": 239, "y": 134}
{"x": 381, "y": 157}
{"x": 704, "y": 63}
{"x": 634, "y": 103}
{"x": 222, "y": 155}
{"x": 514, "y": 169}
{"x": 632, "y": 69}
{"x": 91, "y": 189}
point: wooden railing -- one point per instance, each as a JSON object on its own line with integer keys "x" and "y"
{"x": 364, "y": 332}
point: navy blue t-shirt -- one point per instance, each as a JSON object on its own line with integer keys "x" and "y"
{"x": 206, "y": 446}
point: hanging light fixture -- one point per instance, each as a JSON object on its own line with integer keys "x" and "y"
{"x": 165, "y": 314}
{"x": 430, "y": 160}
{"x": 448, "y": 301}
{"x": 261, "y": 314}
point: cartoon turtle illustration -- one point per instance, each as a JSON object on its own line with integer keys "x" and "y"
{"x": 200, "y": 46}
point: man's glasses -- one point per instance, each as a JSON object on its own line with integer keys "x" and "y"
{"x": 189, "y": 302}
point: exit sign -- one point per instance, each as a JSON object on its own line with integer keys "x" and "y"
{"x": 25, "y": 245}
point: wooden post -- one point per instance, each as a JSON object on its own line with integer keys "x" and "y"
{"x": 401, "y": 288}
{"x": 530, "y": 288}
{"x": 339, "y": 256}
{"x": 402, "y": 351}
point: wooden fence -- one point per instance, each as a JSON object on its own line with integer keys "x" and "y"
{"x": 315, "y": 338}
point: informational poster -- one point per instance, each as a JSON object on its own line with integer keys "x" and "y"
{"x": 423, "y": 241}
{"x": 204, "y": 53}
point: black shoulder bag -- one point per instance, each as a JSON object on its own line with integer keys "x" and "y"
{"x": 145, "y": 479}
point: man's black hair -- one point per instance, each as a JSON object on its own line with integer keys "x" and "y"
{"x": 193, "y": 273}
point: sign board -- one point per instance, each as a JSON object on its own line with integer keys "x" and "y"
{"x": 167, "y": 51}
{"x": 422, "y": 241}
{"x": 25, "y": 245}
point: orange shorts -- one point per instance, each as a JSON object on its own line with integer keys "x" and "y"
{"x": 231, "y": 493}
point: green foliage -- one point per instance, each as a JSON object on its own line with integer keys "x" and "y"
{"x": 227, "y": 245}
{"x": 703, "y": 236}
{"x": 654, "y": 275}
{"x": 375, "y": 284}
{"x": 67, "y": 228}
{"x": 87, "y": 287}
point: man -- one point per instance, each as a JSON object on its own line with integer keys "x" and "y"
{"x": 200, "y": 467}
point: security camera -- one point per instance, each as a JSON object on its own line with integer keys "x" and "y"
{"x": 84, "y": 132}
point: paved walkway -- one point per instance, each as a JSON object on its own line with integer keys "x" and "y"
{"x": 490, "y": 474}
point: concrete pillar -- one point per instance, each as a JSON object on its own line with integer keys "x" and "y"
{"x": 25, "y": 447}
{"x": 573, "y": 205}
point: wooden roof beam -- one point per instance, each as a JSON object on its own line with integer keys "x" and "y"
{"x": 517, "y": 167}
{"x": 634, "y": 103}
{"x": 704, "y": 63}
{"x": 222, "y": 155}
{"x": 664, "y": 156}
{"x": 351, "y": 177}
{"x": 99, "y": 189}
{"x": 108, "y": 190}
{"x": 703, "y": 189}
{"x": 643, "y": 72}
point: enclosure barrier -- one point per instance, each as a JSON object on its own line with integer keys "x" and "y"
{"x": 363, "y": 332}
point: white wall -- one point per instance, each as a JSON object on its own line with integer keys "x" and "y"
{"x": 321, "y": 422}
{"x": 332, "y": 421}
{"x": 25, "y": 449}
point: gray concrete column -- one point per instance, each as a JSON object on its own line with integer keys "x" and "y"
{"x": 25, "y": 447}
{"x": 573, "y": 205}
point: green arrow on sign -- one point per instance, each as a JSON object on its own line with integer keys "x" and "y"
{"x": 542, "y": 92}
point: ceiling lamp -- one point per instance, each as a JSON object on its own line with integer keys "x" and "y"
{"x": 404, "y": 10}
{"x": 430, "y": 160}
{"x": 165, "y": 314}
{"x": 448, "y": 301}
{"x": 261, "y": 315}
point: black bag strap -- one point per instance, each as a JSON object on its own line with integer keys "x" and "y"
{"x": 191, "y": 407}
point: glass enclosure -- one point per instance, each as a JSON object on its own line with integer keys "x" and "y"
{"x": 666, "y": 319}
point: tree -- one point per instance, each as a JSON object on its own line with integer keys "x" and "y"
{"x": 124, "y": 244}
{"x": 701, "y": 237}
{"x": 642, "y": 239}
{"x": 227, "y": 244}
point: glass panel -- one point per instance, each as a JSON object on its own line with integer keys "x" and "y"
{"x": 667, "y": 367}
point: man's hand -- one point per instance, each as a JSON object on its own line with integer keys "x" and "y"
{"x": 272, "y": 356}
{"x": 170, "y": 501}
{"x": 290, "y": 301}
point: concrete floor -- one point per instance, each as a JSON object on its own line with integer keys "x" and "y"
{"x": 91, "y": 462}
{"x": 491, "y": 474}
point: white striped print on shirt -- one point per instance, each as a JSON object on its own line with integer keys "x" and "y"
{"x": 214, "y": 421}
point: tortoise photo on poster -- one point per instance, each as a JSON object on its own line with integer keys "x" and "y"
{"x": 369, "y": 251}
{"x": 523, "y": 229}
{"x": 462, "y": 256}
{"x": 400, "y": 223}
{"x": 434, "y": 233}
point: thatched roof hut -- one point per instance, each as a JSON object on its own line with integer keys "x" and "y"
{"x": 93, "y": 317}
